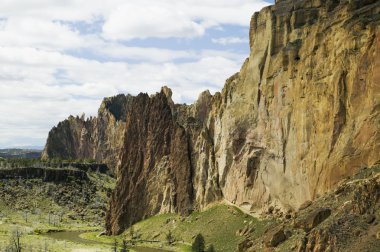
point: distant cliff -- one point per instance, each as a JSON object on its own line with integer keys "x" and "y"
{"x": 97, "y": 138}
{"x": 302, "y": 114}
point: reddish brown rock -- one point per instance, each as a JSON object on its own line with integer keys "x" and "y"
{"x": 155, "y": 171}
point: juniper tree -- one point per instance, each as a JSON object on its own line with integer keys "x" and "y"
{"x": 198, "y": 244}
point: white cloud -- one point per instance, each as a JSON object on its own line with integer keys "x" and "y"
{"x": 33, "y": 99}
{"x": 142, "y": 20}
{"x": 170, "y": 18}
{"x": 50, "y": 69}
{"x": 230, "y": 40}
{"x": 139, "y": 19}
{"x": 38, "y": 33}
{"x": 117, "y": 51}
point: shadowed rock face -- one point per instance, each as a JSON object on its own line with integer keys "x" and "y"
{"x": 303, "y": 113}
{"x": 99, "y": 138}
{"x": 155, "y": 171}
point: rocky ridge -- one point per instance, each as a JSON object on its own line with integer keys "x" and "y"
{"x": 96, "y": 138}
{"x": 301, "y": 115}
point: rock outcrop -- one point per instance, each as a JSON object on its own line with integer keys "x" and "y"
{"x": 155, "y": 173}
{"x": 96, "y": 138}
{"x": 345, "y": 219}
{"x": 302, "y": 114}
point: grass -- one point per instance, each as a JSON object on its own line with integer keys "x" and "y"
{"x": 74, "y": 206}
{"x": 35, "y": 208}
{"x": 219, "y": 226}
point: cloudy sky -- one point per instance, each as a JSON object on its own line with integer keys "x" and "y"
{"x": 61, "y": 57}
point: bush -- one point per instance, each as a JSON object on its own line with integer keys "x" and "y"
{"x": 198, "y": 244}
{"x": 170, "y": 238}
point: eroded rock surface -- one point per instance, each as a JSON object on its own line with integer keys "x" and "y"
{"x": 347, "y": 228}
{"x": 96, "y": 138}
{"x": 155, "y": 172}
{"x": 301, "y": 115}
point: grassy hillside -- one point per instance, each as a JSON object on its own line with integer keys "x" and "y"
{"x": 219, "y": 225}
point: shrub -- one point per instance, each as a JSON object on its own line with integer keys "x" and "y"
{"x": 198, "y": 244}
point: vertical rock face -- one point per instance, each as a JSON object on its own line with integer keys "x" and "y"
{"x": 155, "y": 171}
{"x": 303, "y": 113}
{"x": 98, "y": 138}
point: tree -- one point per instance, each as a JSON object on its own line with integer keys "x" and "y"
{"x": 26, "y": 216}
{"x": 198, "y": 244}
{"x": 15, "y": 244}
{"x": 210, "y": 248}
{"x": 124, "y": 247}
{"x": 114, "y": 248}
{"x": 170, "y": 238}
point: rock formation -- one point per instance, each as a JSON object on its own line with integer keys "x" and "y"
{"x": 302, "y": 114}
{"x": 345, "y": 219}
{"x": 155, "y": 173}
{"x": 98, "y": 138}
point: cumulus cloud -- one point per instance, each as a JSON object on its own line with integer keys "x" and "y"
{"x": 44, "y": 34}
{"x": 140, "y": 19}
{"x": 51, "y": 68}
{"x": 143, "y": 20}
{"x": 170, "y": 18}
{"x": 33, "y": 98}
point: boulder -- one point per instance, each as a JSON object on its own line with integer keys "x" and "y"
{"x": 314, "y": 219}
{"x": 274, "y": 237}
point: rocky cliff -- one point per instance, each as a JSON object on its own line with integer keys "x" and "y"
{"x": 96, "y": 138}
{"x": 302, "y": 114}
{"x": 155, "y": 173}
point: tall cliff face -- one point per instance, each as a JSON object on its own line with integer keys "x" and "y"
{"x": 98, "y": 138}
{"x": 303, "y": 113}
{"x": 155, "y": 172}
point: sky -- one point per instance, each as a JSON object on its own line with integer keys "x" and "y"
{"x": 62, "y": 57}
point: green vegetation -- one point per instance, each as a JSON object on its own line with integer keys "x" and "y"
{"x": 37, "y": 208}
{"x": 34, "y": 209}
{"x": 198, "y": 244}
{"x": 219, "y": 226}
{"x": 21, "y": 162}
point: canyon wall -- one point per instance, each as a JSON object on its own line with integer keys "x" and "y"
{"x": 302, "y": 114}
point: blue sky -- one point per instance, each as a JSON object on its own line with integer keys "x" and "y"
{"x": 62, "y": 57}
